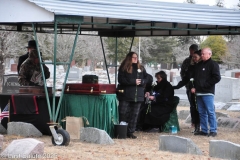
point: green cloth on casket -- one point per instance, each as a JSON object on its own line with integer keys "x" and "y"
{"x": 173, "y": 120}
{"x": 100, "y": 110}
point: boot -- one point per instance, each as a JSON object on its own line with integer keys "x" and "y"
{"x": 197, "y": 128}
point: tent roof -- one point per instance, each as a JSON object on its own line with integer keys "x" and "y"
{"x": 122, "y": 17}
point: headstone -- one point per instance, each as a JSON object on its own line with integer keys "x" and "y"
{"x": 24, "y": 148}
{"x": 176, "y": 71}
{"x": 220, "y": 114}
{"x": 234, "y": 107}
{"x": 176, "y": 79}
{"x": 111, "y": 70}
{"x": 227, "y": 89}
{"x": 228, "y": 73}
{"x": 86, "y": 68}
{"x": 219, "y": 105}
{"x": 172, "y": 74}
{"x": 2, "y": 129}
{"x": 23, "y": 129}
{"x": 149, "y": 70}
{"x": 94, "y": 135}
{"x": 74, "y": 73}
{"x": 73, "y": 63}
{"x": 226, "y": 122}
{"x": 10, "y": 84}
{"x": 11, "y": 61}
{"x": 222, "y": 72}
{"x": 224, "y": 150}
{"x": 237, "y": 75}
{"x": 178, "y": 144}
{"x": 14, "y": 67}
{"x": 1, "y": 142}
{"x": 183, "y": 114}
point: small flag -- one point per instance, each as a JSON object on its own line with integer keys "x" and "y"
{"x": 5, "y": 112}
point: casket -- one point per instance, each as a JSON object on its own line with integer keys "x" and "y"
{"x": 87, "y": 88}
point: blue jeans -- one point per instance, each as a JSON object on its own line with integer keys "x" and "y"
{"x": 207, "y": 114}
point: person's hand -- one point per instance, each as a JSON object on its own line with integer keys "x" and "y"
{"x": 138, "y": 81}
{"x": 147, "y": 94}
{"x": 151, "y": 98}
{"x": 193, "y": 90}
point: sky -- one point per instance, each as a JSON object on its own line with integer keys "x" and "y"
{"x": 227, "y": 3}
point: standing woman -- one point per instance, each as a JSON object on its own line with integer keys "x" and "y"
{"x": 131, "y": 77}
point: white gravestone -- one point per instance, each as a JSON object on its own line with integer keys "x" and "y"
{"x": 227, "y": 89}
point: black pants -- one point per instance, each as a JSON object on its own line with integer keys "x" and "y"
{"x": 141, "y": 116}
{"x": 128, "y": 112}
{"x": 193, "y": 107}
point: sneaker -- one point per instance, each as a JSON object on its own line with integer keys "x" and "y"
{"x": 212, "y": 134}
{"x": 200, "y": 133}
{"x": 130, "y": 135}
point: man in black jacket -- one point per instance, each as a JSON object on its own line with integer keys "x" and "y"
{"x": 206, "y": 75}
{"x": 184, "y": 71}
{"x": 31, "y": 46}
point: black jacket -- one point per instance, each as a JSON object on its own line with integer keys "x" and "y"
{"x": 161, "y": 108}
{"x": 127, "y": 81}
{"x": 206, "y": 75}
{"x": 21, "y": 60}
{"x": 186, "y": 79}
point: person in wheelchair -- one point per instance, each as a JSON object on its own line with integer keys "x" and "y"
{"x": 159, "y": 103}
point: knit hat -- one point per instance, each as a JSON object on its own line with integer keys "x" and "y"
{"x": 198, "y": 52}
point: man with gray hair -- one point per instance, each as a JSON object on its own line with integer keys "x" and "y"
{"x": 206, "y": 75}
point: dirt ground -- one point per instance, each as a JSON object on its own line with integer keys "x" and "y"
{"x": 145, "y": 147}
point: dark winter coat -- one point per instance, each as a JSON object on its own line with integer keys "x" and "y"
{"x": 184, "y": 69}
{"x": 127, "y": 82}
{"x": 206, "y": 75}
{"x": 21, "y": 60}
{"x": 163, "y": 104}
{"x": 186, "y": 79}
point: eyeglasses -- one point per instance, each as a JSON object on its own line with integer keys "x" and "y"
{"x": 134, "y": 57}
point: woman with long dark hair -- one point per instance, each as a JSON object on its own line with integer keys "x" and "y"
{"x": 132, "y": 77}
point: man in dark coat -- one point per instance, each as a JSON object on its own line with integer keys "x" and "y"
{"x": 30, "y": 73}
{"x": 31, "y": 46}
{"x": 206, "y": 75}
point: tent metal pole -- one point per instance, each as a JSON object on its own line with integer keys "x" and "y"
{"x": 105, "y": 61}
{"x": 70, "y": 60}
{"x": 42, "y": 70}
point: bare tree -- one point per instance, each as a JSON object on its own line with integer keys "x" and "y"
{"x": 191, "y": 1}
{"x": 87, "y": 48}
{"x": 92, "y": 50}
{"x": 220, "y": 3}
{"x": 10, "y": 47}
